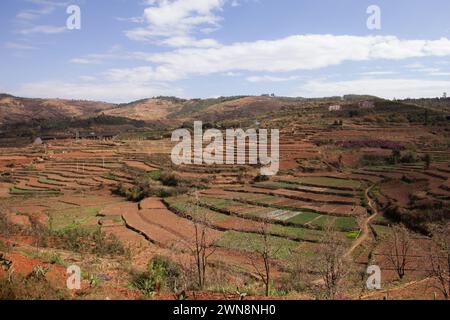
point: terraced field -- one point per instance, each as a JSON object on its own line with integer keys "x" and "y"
{"x": 68, "y": 185}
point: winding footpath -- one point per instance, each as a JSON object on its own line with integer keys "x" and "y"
{"x": 365, "y": 228}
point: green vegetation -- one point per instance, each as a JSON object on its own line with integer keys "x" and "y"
{"x": 330, "y": 182}
{"x": 295, "y": 232}
{"x": 304, "y": 217}
{"x": 86, "y": 240}
{"x": 71, "y": 217}
{"x": 252, "y": 242}
{"x": 161, "y": 275}
{"x": 49, "y": 181}
{"x": 20, "y": 191}
{"x": 155, "y": 175}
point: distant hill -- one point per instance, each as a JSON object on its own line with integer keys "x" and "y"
{"x": 168, "y": 112}
{"x": 146, "y": 110}
{"x": 15, "y": 109}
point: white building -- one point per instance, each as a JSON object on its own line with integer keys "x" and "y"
{"x": 334, "y": 108}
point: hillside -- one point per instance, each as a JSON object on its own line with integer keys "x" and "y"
{"x": 145, "y": 110}
{"x": 15, "y": 109}
{"x": 169, "y": 112}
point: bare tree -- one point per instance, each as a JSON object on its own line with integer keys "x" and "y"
{"x": 439, "y": 258}
{"x": 203, "y": 245}
{"x": 267, "y": 251}
{"x": 399, "y": 249}
{"x": 331, "y": 262}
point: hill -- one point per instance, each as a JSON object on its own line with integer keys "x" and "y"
{"x": 15, "y": 109}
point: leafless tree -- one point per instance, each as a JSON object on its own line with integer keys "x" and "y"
{"x": 331, "y": 262}
{"x": 203, "y": 245}
{"x": 267, "y": 251}
{"x": 439, "y": 258}
{"x": 399, "y": 248}
{"x": 324, "y": 273}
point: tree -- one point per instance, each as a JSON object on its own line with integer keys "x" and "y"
{"x": 267, "y": 251}
{"x": 439, "y": 258}
{"x": 399, "y": 249}
{"x": 396, "y": 155}
{"x": 427, "y": 160}
{"x": 340, "y": 161}
{"x": 331, "y": 263}
{"x": 203, "y": 245}
{"x": 325, "y": 273}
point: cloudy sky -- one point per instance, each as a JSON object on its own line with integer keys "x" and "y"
{"x": 133, "y": 49}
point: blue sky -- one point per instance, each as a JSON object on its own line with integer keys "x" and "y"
{"x": 133, "y": 49}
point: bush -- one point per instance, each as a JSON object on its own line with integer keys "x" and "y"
{"x": 169, "y": 179}
{"x": 86, "y": 241}
{"x": 260, "y": 178}
{"x": 136, "y": 193}
{"x": 409, "y": 158}
{"x": 161, "y": 275}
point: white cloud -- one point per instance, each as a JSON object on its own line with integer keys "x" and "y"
{"x": 294, "y": 53}
{"x": 27, "y": 17}
{"x": 117, "y": 92}
{"x": 439, "y": 74}
{"x": 190, "y": 42}
{"x": 302, "y": 52}
{"x": 43, "y": 29}
{"x": 386, "y": 88}
{"x": 18, "y": 46}
{"x": 378, "y": 73}
{"x": 114, "y": 85}
{"x": 178, "y": 19}
{"x": 141, "y": 74}
{"x": 267, "y": 78}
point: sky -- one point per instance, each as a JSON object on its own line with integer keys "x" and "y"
{"x": 126, "y": 50}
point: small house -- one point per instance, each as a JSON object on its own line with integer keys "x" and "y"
{"x": 334, "y": 108}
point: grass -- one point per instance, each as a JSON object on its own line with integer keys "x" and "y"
{"x": 226, "y": 204}
{"x": 20, "y": 191}
{"x": 295, "y": 232}
{"x": 382, "y": 231}
{"x": 253, "y": 242}
{"x": 330, "y": 182}
{"x": 155, "y": 175}
{"x": 353, "y": 235}
{"x": 346, "y": 224}
{"x": 182, "y": 205}
{"x": 71, "y": 218}
{"x": 284, "y": 231}
{"x": 304, "y": 217}
{"x": 275, "y": 185}
{"x": 340, "y": 223}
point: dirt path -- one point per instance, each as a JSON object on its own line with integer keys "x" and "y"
{"x": 365, "y": 228}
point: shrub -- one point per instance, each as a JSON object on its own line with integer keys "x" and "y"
{"x": 408, "y": 158}
{"x": 169, "y": 179}
{"x": 161, "y": 274}
{"x": 260, "y": 178}
{"x": 154, "y": 175}
{"x": 137, "y": 193}
{"x": 427, "y": 160}
{"x": 85, "y": 241}
{"x": 373, "y": 160}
